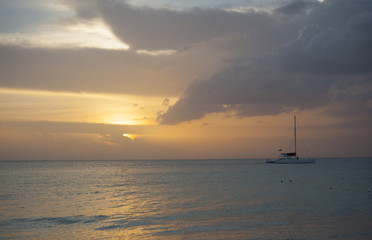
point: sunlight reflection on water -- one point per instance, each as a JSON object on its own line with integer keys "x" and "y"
{"x": 196, "y": 199}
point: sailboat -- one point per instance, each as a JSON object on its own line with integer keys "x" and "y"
{"x": 291, "y": 157}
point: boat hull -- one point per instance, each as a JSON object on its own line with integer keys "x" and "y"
{"x": 291, "y": 161}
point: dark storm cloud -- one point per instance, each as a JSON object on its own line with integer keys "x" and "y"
{"x": 304, "y": 73}
{"x": 330, "y": 51}
{"x": 251, "y": 89}
{"x": 151, "y": 29}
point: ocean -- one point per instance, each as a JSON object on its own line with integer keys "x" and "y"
{"x": 186, "y": 199}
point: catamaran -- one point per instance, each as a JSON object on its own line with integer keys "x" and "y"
{"x": 291, "y": 157}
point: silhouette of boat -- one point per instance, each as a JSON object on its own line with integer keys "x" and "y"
{"x": 291, "y": 157}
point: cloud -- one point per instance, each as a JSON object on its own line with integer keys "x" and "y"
{"x": 305, "y": 73}
{"x": 68, "y": 140}
{"x": 328, "y": 50}
{"x": 47, "y": 24}
{"x": 157, "y": 53}
{"x": 296, "y": 7}
{"x": 151, "y": 29}
{"x": 117, "y": 138}
{"x": 90, "y": 70}
{"x": 250, "y": 90}
{"x": 265, "y": 64}
{"x": 187, "y": 45}
{"x": 165, "y": 102}
{"x": 74, "y": 127}
{"x": 92, "y": 35}
{"x": 109, "y": 133}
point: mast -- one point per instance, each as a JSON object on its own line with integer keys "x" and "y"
{"x": 295, "y": 151}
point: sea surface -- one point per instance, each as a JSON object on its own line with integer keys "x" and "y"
{"x": 186, "y": 199}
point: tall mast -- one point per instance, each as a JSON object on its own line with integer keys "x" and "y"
{"x": 295, "y": 137}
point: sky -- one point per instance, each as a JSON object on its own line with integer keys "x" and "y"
{"x": 177, "y": 79}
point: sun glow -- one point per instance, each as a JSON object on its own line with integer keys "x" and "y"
{"x": 78, "y": 107}
{"x": 131, "y": 136}
{"x": 124, "y": 122}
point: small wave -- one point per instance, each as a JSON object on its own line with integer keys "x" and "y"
{"x": 59, "y": 220}
{"x": 96, "y": 218}
{"x": 202, "y": 228}
{"x": 48, "y": 222}
{"x": 118, "y": 206}
{"x": 124, "y": 224}
{"x": 8, "y": 196}
{"x": 120, "y": 185}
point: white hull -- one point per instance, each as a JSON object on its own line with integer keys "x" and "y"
{"x": 291, "y": 161}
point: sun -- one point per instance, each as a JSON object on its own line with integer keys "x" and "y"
{"x": 131, "y": 136}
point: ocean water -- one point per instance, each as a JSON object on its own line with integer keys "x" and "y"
{"x": 186, "y": 199}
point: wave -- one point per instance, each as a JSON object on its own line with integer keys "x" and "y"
{"x": 48, "y": 222}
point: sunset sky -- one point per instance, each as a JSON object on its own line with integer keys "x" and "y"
{"x": 184, "y": 79}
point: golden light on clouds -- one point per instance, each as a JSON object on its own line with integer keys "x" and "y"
{"x": 157, "y": 52}
{"x": 94, "y": 34}
{"x": 37, "y": 105}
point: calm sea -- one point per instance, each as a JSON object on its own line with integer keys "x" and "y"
{"x": 186, "y": 199}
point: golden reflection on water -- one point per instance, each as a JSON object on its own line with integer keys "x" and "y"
{"x": 210, "y": 200}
